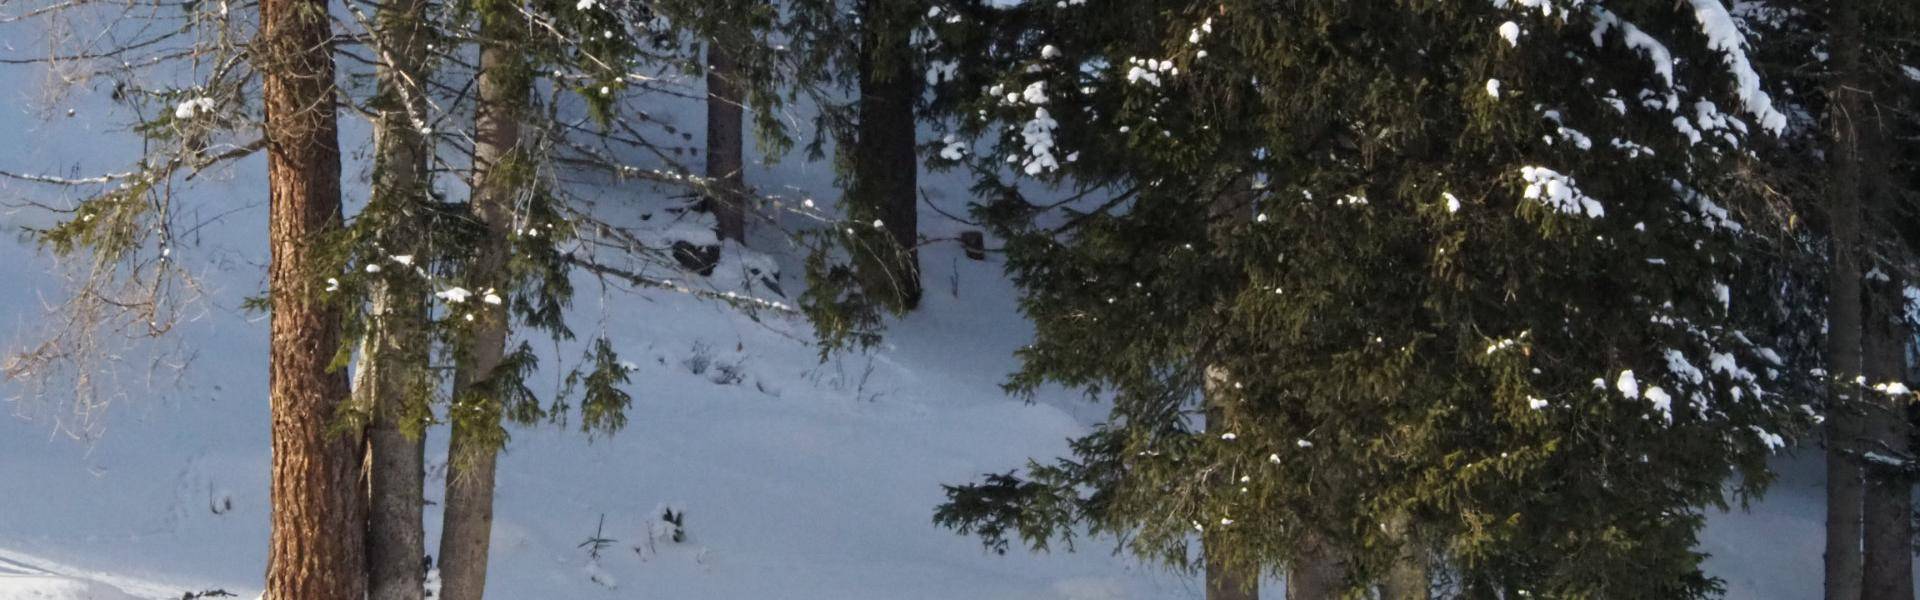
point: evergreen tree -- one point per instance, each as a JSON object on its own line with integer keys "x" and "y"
{"x": 393, "y": 382}
{"x": 883, "y": 163}
{"x": 316, "y": 543}
{"x": 1493, "y": 304}
{"x": 1849, "y": 166}
{"x": 739, "y": 63}
{"x": 868, "y": 263}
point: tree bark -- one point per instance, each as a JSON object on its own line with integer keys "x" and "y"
{"x": 474, "y": 445}
{"x": 1887, "y": 562}
{"x": 1845, "y": 490}
{"x": 1407, "y": 579}
{"x": 725, "y": 196}
{"x": 724, "y": 162}
{"x": 316, "y": 541}
{"x": 1224, "y": 583}
{"x": 396, "y": 543}
{"x": 391, "y": 376}
{"x": 1316, "y": 572}
{"x": 885, "y": 166}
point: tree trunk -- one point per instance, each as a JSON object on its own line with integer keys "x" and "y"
{"x": 725, "y": 197}
{"x": 391, "y": 376}
{"x": 885, "y": 167}
{"x": 474, "y": 446}
{"x": 1224, "y": 581}
{"x": 724, "y": 163}
{"x": 396, "y": 543}
{"x": 1844, "y": 487}
{"x": 1407, "y": 579}
{"x": 1887, "y": 572}
{"x": 1316, "y": 572}
{"x": 315, "y": 545}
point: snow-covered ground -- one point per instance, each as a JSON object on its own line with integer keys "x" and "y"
{"x": 798, "y": 479}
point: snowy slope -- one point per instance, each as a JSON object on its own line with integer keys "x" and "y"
{"x": 799, "y": 480}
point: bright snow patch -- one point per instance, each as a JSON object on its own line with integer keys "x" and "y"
{"x": 1628, "y": 385}
{"x": 193, "y": 108}
{"x": 1559, "y": 192}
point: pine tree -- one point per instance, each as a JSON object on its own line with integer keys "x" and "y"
{"x": 1493, "y": 290}
{"x": 316, "y": 543}
{"x": 725, "y": 165}
{"x": 1867, "y": 144}
{"x": 516, "y": 272}
{"x": 499, "y": 172}
{"x": 393, "y": 382}
{"x": 1844, "y": 167}
{"x": 1845, "y": 491}
{"x": 884, "y": 165}
{"x": 733, "y": 68}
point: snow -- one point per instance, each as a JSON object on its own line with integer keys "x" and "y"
{"x": 1661, "y": 402}
{"x": 1636, "y": 39}
{"x": 1036, "y": 93}
{"x": 1559, "y": 192}
{"x": 1724, "y": 35}
{"x": 1037, "y": 136}
{"x": 1510, "y": 31}
{"x": 1627, "y": 385}
{"x": 191, "y": 108}
{"x": 1680, "y": 367}
{"x": 1139, "y": 73}
{"x": 803, "y": 481}
{"x": 953, "y": 150}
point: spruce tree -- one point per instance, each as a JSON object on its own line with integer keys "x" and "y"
{"x": 1492, "y": 305}
{"x": 883, "y": 162}
{"x": 393, "y": 381}
{"x": 1848, "y": 168}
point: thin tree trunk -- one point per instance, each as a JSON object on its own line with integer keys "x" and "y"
{"x": 1887, "y": 571}
{"x": 1844, "y": 487}
{"x": 396, "y": 543}
{"x": 885, "y": 166}
{"x": 724, "y": 163}
{"x": 315, "y": 545}
{"x": 474, "y": 446}
{"x": 725, "y": 199}
{"x": 391, "y": 375}
{"x": 1224, "y": 581}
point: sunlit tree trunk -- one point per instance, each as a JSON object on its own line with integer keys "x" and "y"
{"x": 474, "y": 446}
{"x": 316, "y": 537}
